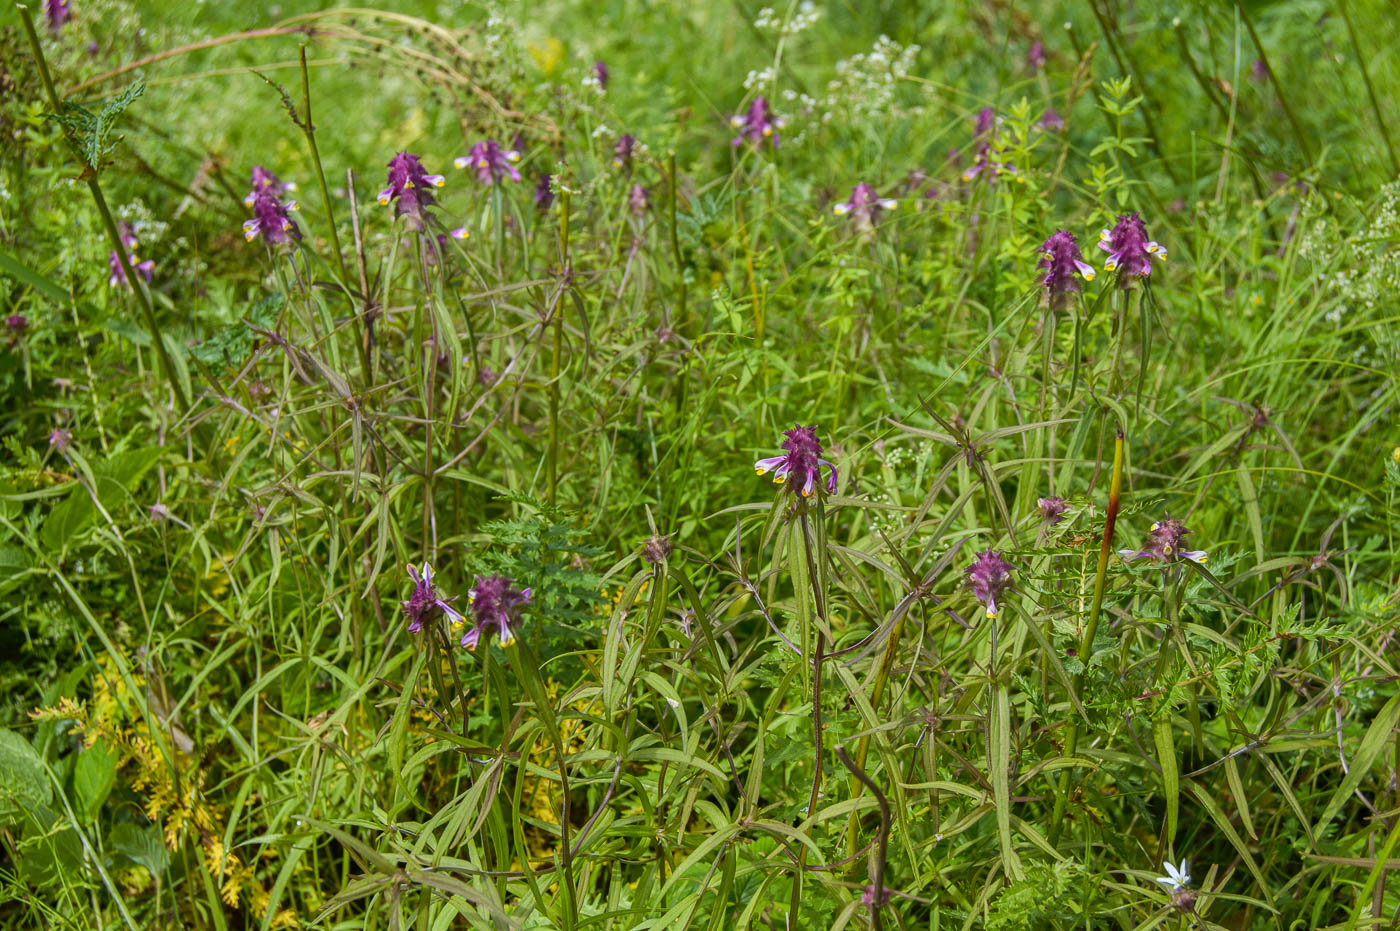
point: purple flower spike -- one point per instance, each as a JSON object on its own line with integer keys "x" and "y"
{"x": 1052, "y": 509}
{"x": 264, "y": 180}
{"x": 757, "y": 124}
{"x": 425, "y": 605}
{"x": 869, "y": 899}
{"x": 1051, "y": 121}
{"x": 544, "y": 194}
{"x": 410, "y": 189}
{"x": 624, "y": 151}
{"x": 118, "y": 274}
{"x": 490, "y": 162}
{"x": 600, "y": 74}
{"x": 271, "y": 219}
{"x": 16, "y": 324}
{"x": 1036, "y": 56}
{"x": 1062, "y": 261}
{"x": 58, "y": 13}
{"x": 1129, "y": 250}
{"x": 865, "y": 206}
{"x": 1164, "y": 543}
{"x": 495, "y": 604}
{"x": 988, "y": 577}
{"x": 60, "y": 439}
{"x": 800, "y": 467}
{"x": 638, "y": 200}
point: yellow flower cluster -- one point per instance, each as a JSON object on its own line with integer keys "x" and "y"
{"x": 169, "y": 779}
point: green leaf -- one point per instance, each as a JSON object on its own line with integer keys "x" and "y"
{"x": 1166, "y": 757}
{"x": 232, "y": 344}
{"x": 49, "y": 851}
{"x": 1371, "y": 745}
{"x": 140, "y": 845}
{"x": 113, "y": 479}
{"x": 25, "y": 275}
{"x": 94, "y": 774}
{"x": 23, "y": 782}
{"x": 90, "y": 131}
{"x": 1000, "y": 763}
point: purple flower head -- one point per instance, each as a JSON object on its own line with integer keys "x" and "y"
{"x": 1062, "y": 261}
{"x": 271, "y": 219}
{"x": 1129, "y": 250}
{"x": 410, "y": 189}
{"x": 1052, "y": 509}
{"x": 988, "y": 577}
{"x": 264, "y": 180}
{"x": 544, "y": 194}
{"x": 986, "y": 122}
{"x": 424, "y": 604}
{"x": 656, "y": 549}
{"x": 60, "y": 439}
{"x": 1164, "y": 543}
{"x": 490, "y": 162}
{"x": 118, "y": 274}
{"x": 1259, "y": 71}
{"x": 1036, "y": 56}
{"x": 1051, "y": 121}
{"x": 800, "y": 467}
{"x": 983, "y": 135}
{"x": 869, "y": 899}
{"x": 16, "y": 324}
{"x": 127, "y": 233}
{"x": 757, "y": 124}
{"x": 495, "y": 603}
{"x": 865, "y": 206}
{"x": 600, "y": 74}
{"x": 624, "y": 151}
{"x": 58, "y": 13}
{"x": 638, "y": 200}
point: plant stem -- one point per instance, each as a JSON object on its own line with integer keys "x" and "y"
{"x": 143, "y": 297}
{"x": 1091, "y": 629}
{"x": 1278, "y": 89}
{"x": 676, "y": 245}
{"x": 558, "y": 322}
{"x": 521, "y": 654}
{"x": 308, "y": 129}
{"x": 1370, "y": 89}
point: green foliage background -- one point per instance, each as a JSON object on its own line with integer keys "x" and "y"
{"x": 212, "y": 714}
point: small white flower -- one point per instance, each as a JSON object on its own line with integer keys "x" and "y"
{"x": 1177, "y": 877}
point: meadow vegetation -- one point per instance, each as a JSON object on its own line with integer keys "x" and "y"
{"x": 382, "y": 391}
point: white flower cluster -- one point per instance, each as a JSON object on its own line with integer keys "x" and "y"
{"x": 865, "y": 85}
{"x": 805, "y": 18}
{"x": 498, "y": 29}
{"x": 591, "y": 82}
{"x": 760, "y": 79}
{"x": 147, "y": 228}
{"x": 1370, "y": 261}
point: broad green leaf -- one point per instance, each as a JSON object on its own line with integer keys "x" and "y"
{"x": 141, "y": 845}
{"x": 23, "y": 782}
{"x": 94, "y": 774}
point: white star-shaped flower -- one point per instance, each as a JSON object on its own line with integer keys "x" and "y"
{"x": 1177, "y": 877}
